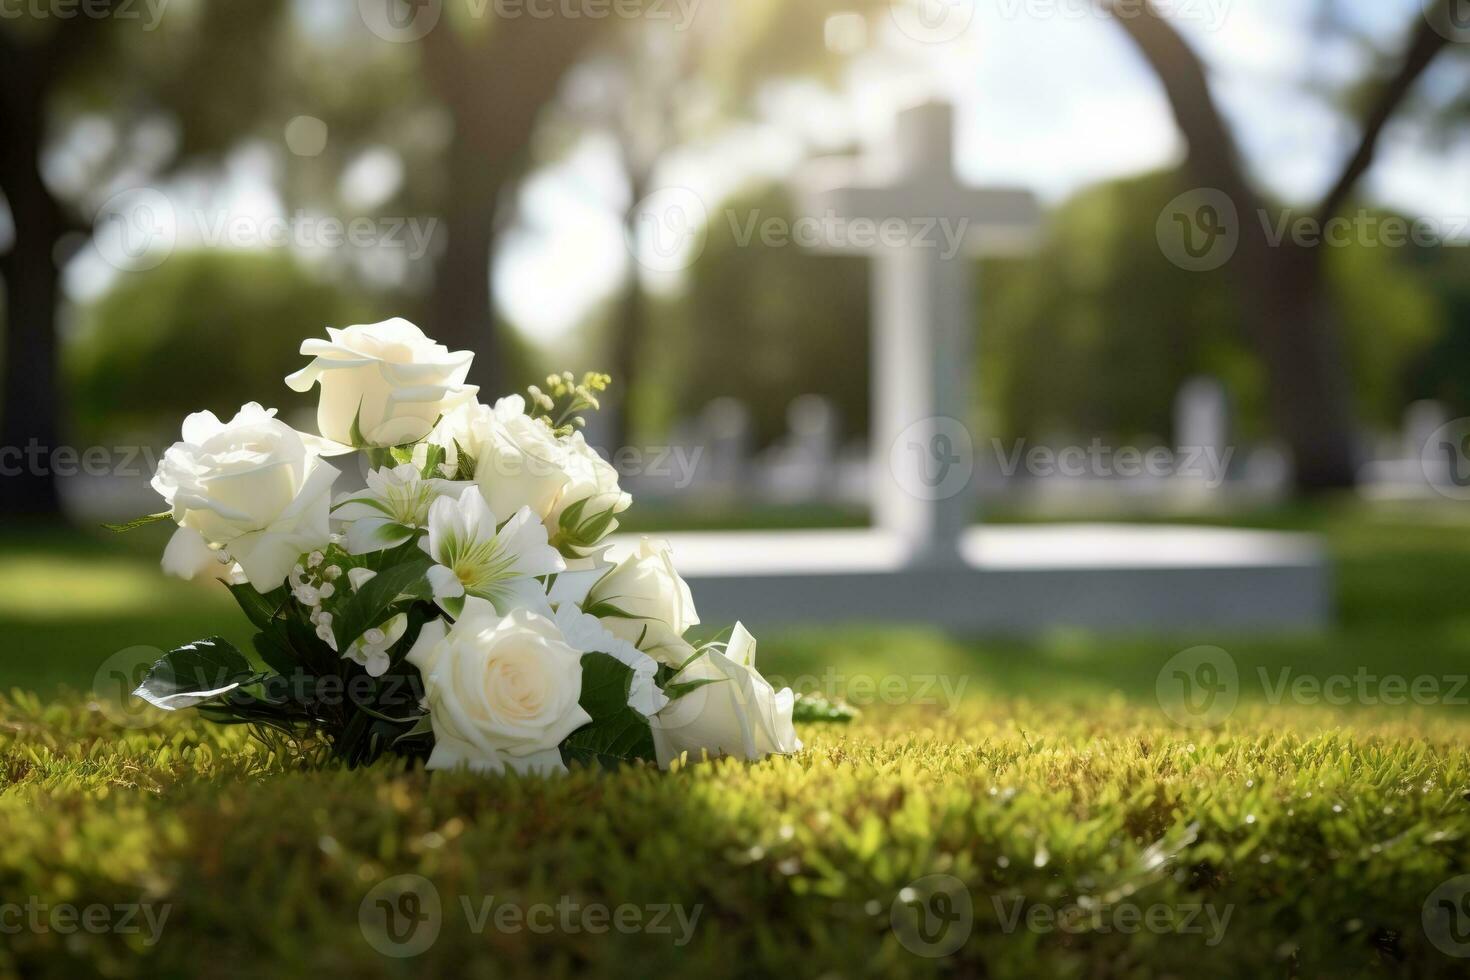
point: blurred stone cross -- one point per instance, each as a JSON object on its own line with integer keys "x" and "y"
{"x": 922, "y": 227}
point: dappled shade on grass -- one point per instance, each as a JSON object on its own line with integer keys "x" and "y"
{"x": 1312, "y": 837}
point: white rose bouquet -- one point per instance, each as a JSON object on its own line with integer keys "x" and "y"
{"x": 463, "y": 606}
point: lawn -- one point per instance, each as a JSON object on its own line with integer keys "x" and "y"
{"x": 1026, "y": 808}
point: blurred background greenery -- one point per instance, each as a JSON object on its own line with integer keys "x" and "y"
{"x": 524, "y": 142}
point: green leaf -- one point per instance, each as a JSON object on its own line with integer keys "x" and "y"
{"x": 606, "y": 610}
{"x": 617, "y": 733}
{"x": 369, "y": 606}
{"x": 573, "y": 514}
{"x": 195, "y": 673}
{"x": 677, "y": 691}
{"x": 138, "y": 522}
{"x": 372, "y": 502}
{"x": 354, "y": 435}
{"x": 593, "y": 530}
{"x": 434, "y": 456}
{"x": 276, "y": 651}
{"x": 424, "y": 726}
{"x": 260, "y": 609}
{"x": 467, "y": 463}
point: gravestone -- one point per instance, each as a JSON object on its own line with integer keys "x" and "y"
{"x": 1201, "y": 434}
{"x": 725, "y": 429}
{"x": 924, "y": 562}
{"x": 926, "y": 230}
{"x": 801, "y": 467}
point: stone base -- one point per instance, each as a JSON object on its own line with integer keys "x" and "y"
{"x": 1014, "y": 579}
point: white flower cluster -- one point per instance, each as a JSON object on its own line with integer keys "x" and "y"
{"x": 490, "y": 524}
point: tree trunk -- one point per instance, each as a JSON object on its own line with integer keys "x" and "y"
{"x": 627, "y": 336}
{"x": 1293, "y": 320}
{"x": 462, "y": 306}
{"x": 494, "y": 85}
{"x": 1298, "y": 332}
{"x": 29, "y": 415}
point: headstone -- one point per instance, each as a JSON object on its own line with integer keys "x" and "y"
{"x": 909, "y": 212}
{"x": 724, "y": 430}
{"x": 1201, "y": 432}
{"x": 802, "y": 466}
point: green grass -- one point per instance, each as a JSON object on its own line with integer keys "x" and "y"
{"x": 1293, "y": 839}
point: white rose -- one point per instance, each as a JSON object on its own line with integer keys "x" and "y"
{"x": 518, "y": 461}
{"x": 644, "y": 601}
{"x": 253, "y": 487}
{"x": 501, "y": 691}
{"x": 735, "y": 713}
{"x": 387, "y": 377}
{"x": 591, "y": 479}
{"x": 188, "y": 556}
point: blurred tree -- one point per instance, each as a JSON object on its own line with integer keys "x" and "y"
{"x": 1296, "y": 323}
{"x": 202, "y": 330}
{"x": 35, "y": 57}
{"x": 804, "y": 331}
{"x": 493, "y": 75}
{"x": 1097, "y": 332}
{"x": 98, "y": 68}
{"x": 659, "y": 83}
{"x": 205, "y": 330}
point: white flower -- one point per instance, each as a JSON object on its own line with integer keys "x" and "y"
{"x": 644, "y": 601}
{"x": 358, "y": 577}
{"x": 501, "y": 691}
{"x": 588, "y": 635}
{"x": 391, "y": 509}
{"x": 371, "y": 649}
{"x": 593, "y": 482}
{"x": 387, "y": 378}
{"x": 188, "y": 555}
{"x": 473, "y": 558}
{"x": 252, "y": 485}
{"x": 518, "y": 461}
{"x": 733, "y": 712}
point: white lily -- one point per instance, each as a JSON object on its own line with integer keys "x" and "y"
{"x": 392, "y": 509}
{"x": 474, "y": 557}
